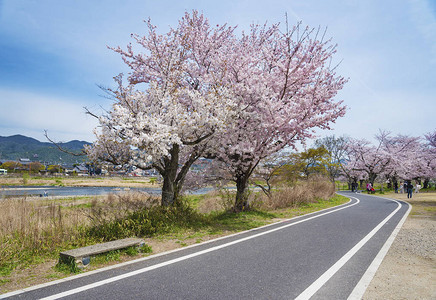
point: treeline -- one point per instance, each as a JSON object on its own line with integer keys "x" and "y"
{"x": 389, "y": 160}
{"x": 13, "y": 148}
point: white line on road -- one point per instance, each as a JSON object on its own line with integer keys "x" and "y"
{"x": 317, "y": 284}
{"x": 364, "y": 282}
{"x": 160, "y": 265}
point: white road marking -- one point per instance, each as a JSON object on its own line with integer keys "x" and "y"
{"x": 364, "y": 282}
{"x": 143, "y": 270}
{"x": 317, "y": 284}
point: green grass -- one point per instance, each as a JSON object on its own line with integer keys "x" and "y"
{"x": 312, "y": 207}
{"x": 194, "y": 200}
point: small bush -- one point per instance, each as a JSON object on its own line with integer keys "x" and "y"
{"x": 26, "y": 178}
{"x": 148, "y": 221}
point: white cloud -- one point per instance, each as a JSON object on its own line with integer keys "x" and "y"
{"x": 31, "y": 113}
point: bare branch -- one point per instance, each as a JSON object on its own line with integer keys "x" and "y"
{"x": 82, "y": 153}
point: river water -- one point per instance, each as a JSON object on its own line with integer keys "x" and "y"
{"x": 44, "y": 191}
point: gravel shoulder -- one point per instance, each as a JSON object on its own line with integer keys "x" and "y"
{"x": 408, "y": 270}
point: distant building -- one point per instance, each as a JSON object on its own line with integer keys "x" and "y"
{"x": 81, "y": 170}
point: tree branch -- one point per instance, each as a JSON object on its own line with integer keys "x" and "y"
{"x": 82, "y": 153}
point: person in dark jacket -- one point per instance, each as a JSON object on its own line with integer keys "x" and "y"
{"x": 409, "y": 189}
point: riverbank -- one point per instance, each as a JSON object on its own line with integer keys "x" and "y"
{"x": 82, "y": 181}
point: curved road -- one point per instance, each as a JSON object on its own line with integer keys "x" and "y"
{"x": 331, "y": 254}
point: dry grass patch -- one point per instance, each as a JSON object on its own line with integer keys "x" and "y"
{"x": 293, "y": 196}
{"x": 423, "y": 203}
{"x": 33, "y": 229}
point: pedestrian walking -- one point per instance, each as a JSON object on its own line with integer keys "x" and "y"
{"x": 409, "y": 189}
{"x": 401, "y": 187}
{"x": 396, "y": 187}
{"x": 354, "y": 186}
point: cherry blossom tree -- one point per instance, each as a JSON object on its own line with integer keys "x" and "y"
{"x": 366, "y": 159}
{"x": 393, "y": 158}
{"x": 429, "y": 157}
{"x": 169, "y": 125}
{"x": 240, "y": 98}
{"x": 284, "y": 86}
{"x": 404, "y": 152}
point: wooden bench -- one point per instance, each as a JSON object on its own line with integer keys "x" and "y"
{"x": 82, "y": 256}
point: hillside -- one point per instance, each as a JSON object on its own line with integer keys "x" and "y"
{"x": 18, "y": 146}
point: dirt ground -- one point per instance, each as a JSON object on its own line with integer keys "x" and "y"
{"x": 408, "y": 270}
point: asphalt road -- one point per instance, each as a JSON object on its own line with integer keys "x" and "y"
{"x": 319, "y": 256}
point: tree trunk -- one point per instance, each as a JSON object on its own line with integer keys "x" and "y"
{"x": 372, "y": 177}
{"x": 241, "y": 202}
{"x": 173, "y": 173}
{"x": 170, "y": 190}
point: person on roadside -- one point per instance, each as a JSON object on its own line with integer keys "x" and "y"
{"x": 409, "y": 189}
{"x": 396, "y": 187}
{"x": 401, "y": 187}
{"x": 369, "y": 187}
{"x": 417, "y": 188}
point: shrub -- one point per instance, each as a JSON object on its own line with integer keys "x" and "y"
{"x": 148, "y": 221}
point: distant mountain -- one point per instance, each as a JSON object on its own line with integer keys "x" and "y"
{"x": 19, "y": 146}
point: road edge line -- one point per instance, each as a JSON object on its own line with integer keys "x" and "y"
{"x": 360, "y": 288}
{"x": 327, "y": 275}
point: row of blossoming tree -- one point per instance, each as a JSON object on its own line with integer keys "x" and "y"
{"x": 206, "y": 91}
{"x": 391, "y": 159}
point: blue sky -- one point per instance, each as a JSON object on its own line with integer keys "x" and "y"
{"x": 53, "y": 56}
